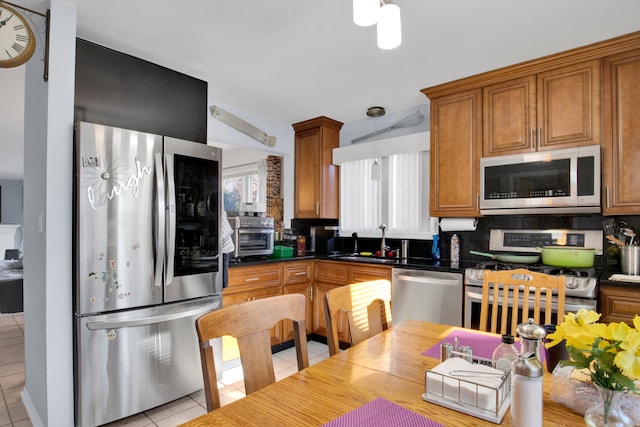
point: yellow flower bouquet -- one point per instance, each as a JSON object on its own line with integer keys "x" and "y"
{"x": 611, "y": 352}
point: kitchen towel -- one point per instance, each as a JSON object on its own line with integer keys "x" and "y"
{"x": 624, "y": 278}
{"x": 381, "y": 413}
{"x": 458, "y": 224}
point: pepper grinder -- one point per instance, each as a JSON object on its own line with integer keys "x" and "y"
{"x": 531, "y": 337}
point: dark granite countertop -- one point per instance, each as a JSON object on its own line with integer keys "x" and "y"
{"x": 412, "y": 263}
{"x": 264, "y": 260}
{"x": 604, "y": 280}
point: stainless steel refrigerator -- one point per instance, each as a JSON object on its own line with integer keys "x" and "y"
{"x": 147, "y": 263}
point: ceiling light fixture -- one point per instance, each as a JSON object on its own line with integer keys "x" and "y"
{"x": 365, "y": 12}
{"x": 375, "y": 112}
{"x": 389, "y": 25}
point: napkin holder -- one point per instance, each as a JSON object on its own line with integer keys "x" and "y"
{"x": 482, "y": 391}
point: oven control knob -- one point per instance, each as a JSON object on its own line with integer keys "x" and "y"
{"x": 571, "y": 282}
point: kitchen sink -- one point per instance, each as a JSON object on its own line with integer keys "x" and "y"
{"x": 368, "y": 259}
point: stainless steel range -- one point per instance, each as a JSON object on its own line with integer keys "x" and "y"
{"x": 581, "y": 284}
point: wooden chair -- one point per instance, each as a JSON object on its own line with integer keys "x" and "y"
{"x": 251, "y": 323}
{"x": 519, "y": 285}
{"x": 366, "y": 307}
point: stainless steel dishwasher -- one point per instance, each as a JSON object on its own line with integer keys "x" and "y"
{"x": 433, "y": 296}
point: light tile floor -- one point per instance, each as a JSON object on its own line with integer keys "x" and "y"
{"x": 13, "y": 413}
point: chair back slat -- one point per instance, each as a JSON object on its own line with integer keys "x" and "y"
{"x": 519, "y": 286}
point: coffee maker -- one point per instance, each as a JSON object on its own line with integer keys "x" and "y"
{"x": 322, "y": 239}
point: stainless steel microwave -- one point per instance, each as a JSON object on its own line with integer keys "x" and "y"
{"x": 544, "y": 182}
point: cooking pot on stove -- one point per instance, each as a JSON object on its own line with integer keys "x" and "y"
{"x": 510, "y": 258}
{"x": 568, "y": 256}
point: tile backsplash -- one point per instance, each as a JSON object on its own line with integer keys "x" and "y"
{"x": 479, "y": 240}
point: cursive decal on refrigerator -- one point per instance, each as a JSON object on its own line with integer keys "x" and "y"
{"x": 107, "y": 185}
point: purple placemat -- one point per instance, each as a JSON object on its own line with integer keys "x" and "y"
{"x": 382, "y": 413}
{"x": 483, "y": 345}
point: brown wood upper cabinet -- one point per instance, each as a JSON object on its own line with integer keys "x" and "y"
{"x": 456, "y": 143}
{"x": 317, "y": 180}
{"x": 621, "y": 145}
{"x": 559, "y": 108}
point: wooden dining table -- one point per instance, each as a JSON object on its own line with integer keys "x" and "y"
{"x": 389, "y": 365}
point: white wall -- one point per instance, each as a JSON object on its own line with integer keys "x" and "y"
{"x": 11, "y": 123}
{"x": 48, "y": 313}
{"x": 11, "y": 200}
{"x": 219, "y": 132}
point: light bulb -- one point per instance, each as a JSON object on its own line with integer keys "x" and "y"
{"x": 375, "y": 170}
{"x": 389, "y": 26}
{"x": 365, "y": 12}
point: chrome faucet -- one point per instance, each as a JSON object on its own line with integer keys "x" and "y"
{"x": 383, "y": 246}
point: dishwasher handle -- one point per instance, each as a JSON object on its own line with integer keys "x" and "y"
{"x": 429, "y": 280}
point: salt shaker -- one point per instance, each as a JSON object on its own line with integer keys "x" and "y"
{"x": 526, "y": 391}
{"x": 531, "y": 337}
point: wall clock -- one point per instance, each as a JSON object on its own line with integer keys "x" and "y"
{"x": 17, "y": 42}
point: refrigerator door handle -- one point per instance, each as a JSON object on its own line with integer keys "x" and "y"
{"x": 125, "y": 323}
{"x": 171, "y": 218}
{"x": 160, "y": 231}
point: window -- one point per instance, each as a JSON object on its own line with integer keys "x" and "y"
{"x": 391, "y": 189}
{"x": 244, "y": 184}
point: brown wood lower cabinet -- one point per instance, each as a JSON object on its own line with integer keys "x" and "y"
{"x": 619, "y": 303}
{"x": 327, "y": 275}
{"x": 312, "y": 278}
{"x": 333, "y": 274}
{"x": 298, "y": 279}
{"x": 252, "y": 283}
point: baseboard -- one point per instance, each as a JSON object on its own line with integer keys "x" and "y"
{"x": 31, "y": 409}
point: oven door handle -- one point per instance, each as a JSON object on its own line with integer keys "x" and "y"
{"x": 474, "y": 296}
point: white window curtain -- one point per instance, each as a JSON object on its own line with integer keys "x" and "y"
{"x": 408, "y": 184}
{"x": 359, "y": 196}
{"x": 399, "y": 198}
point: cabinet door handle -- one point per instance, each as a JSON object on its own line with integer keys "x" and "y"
{"x": 301, "y": 273}
{"x": 606, "y": 190}
{"x": 531, "y": 141}
{"x": 252, "y": 279}
{"x": 539, "y": 137}
{"x": 311, "y": 293}
{"x": 317, "y": 208}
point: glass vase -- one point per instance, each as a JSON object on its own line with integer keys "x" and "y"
{"x": 607, "y": 411}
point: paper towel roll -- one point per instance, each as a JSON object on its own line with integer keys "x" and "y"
{"x": 458, "y": 224}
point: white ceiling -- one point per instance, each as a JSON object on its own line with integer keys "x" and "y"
{"x": 297, "y": 59}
